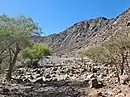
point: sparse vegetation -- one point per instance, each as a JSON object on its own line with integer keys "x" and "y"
{"x": 115, "y": 51}
{"x": 82, "y": 53}
{"x": 35, "y": 52}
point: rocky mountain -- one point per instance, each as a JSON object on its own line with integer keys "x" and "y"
{"x": 56, "y": 76}
{"x": 84, "y": 34}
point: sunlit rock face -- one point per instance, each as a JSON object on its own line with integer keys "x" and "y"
{"x": 84, "y": 34}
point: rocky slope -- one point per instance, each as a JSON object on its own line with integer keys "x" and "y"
{"x": 70, "y": 77}
{"x": 84, "y": 34}
{"x": 65, "y": 77}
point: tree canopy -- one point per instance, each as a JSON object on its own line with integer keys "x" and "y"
{"x": 36, "y": 51}
{"x": 15, "y": 33}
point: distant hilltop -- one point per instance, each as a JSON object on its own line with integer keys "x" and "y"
{"x": 84, "y": 34}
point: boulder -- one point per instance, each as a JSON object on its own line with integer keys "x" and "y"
{"x": 5, "y": 91}
{"x": 94, "y": 83}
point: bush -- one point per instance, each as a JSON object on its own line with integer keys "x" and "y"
{"x": 35, "y": 52}
{"x": 115, "y": 51}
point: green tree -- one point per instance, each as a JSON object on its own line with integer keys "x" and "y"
{"x": 35, "y": 52}
{"x": 15, "y": 35}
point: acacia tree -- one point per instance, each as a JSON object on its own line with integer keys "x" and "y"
{"x": 15, "y": 35}
{"x": 35, "y": 52}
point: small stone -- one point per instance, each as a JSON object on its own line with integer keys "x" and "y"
{"x": 6, "y": 90}
{"x": 19, "y": 81}
{"x": 90, "y": 76}
{"x": 124, "y": 79}
{"x": 38, "y": 72}
{"x": 48, "y": 76}
{"x": 40, "y": 80}
{"x": 94, "y": 83}
{"x": 94, "y": 93}
{"x": 120, "y": 95}
{"x": 55, "y": 69}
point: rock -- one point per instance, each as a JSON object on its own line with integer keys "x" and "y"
{"x": 19, "y": 81}
{"x": 31, "y": 77}
{"x": 48, "y": 76}
{"x": 84, "y": 70}
{"x": 84, "y": 83}
{"x": 26, "y": 80}
{"x": 128, "y": 95}
{"x": 124, "y": 79}
{"x": 120, "y": 95}
{"x": 75, "y": 37}
{"x": 94, "y": 93}
{"x": 94, "y": 70}
{"x": 55, "y": 69}
{"x": 117, "y": 90}
{"x": 6, "y": 90}
{"x": 38, "y": 80}
{"x": 100, "y": 77}
{"x": 62, "y": 71}
{"x": 38, "y": 72}
{"x": 94, "y": 83}
{"x": 62, "y": 77}
{"x": 90, "y": 76}
{"x": 110, "y": 92}
{"x": 35, "y": 76}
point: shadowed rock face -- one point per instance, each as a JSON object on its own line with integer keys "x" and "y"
{"x": 84, "y": 34}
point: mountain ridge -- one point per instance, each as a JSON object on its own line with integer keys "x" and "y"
{"x": 84, "y": 34}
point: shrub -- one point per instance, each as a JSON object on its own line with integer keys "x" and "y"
{"x": 35, "y": 52}
{"x": 115, "y": 51}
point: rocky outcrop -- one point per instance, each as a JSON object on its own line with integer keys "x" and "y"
{"x": 84, "y": 34}
{"x": 79, "y": 35}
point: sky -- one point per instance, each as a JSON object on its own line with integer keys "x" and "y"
{"x": 54, "y": 16}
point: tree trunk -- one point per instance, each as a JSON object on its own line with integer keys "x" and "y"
{"x": 122, "y": 70}
{"x": 11, "y": 66}
{"x": 9, "y": 73}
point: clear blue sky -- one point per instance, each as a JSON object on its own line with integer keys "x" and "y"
{"x": 56, "y": 15}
